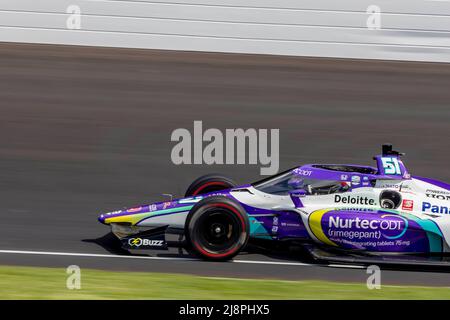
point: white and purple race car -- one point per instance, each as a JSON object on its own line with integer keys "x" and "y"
{"x": 340, "y": 213}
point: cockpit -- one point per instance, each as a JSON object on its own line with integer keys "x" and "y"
{"x": 289, "y": 181}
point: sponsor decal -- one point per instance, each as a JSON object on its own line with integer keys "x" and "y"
{"x": 302, "y": 172}
{"x": 284, "y": 224}
{"x": 373, "y": 232}
{"x": 190, "y": 200}
{"x": 437, "y": 191}
{"x": 440, "y": 195}
{"x": 275, "y": 221}
{"x": 366, "y": 182}
{"x": 137, "y": 209}
{"x": 113, "y": 212}
{"x": 391, "y": 228}
{"x": 356, "y": 180}
{"x": 408, "y": 205}
{"x": 428, "y": 207}
{"x": 138, "y": 242}
{"x": 358, "y": 209}
{"x": 344, "y": 177}
{"x": 397, "y": 186}
{"x": 358, "y": 200}
{"x": 166, "y": 205}
{"x": 389, "y": 186}
{"x": 214, "y": 194}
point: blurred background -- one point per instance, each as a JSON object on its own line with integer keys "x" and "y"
{"x": 92, "y": 90}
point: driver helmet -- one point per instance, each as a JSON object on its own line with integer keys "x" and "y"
{"x": 297, "y": 182}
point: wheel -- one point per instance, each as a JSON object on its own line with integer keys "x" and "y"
{"x": 217, "y": 228}
{"x": 209, "y": 183}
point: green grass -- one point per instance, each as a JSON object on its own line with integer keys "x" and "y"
{"x": 50, "y": 283}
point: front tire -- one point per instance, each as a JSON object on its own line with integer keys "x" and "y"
{"x": 209, "y": 183}
{"x": 217, "y": 228}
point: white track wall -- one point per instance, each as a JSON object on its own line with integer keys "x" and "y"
{"x": 416, "y": 30}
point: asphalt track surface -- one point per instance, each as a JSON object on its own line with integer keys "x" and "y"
{"x": 87, "y": 130}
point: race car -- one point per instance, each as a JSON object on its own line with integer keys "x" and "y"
{"x": 343, "y": 213}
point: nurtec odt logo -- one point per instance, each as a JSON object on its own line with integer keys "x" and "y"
{"x": 389, "y": 226}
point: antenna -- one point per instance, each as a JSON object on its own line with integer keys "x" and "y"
{"x": 388, "y": 150}
{"x": 168, "y": 195}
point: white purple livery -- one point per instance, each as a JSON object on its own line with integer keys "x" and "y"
{"x": 340, "y": 213}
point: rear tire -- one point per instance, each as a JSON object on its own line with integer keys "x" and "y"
{"x": 217, "y": 228}
{"x": 209, "y": 183}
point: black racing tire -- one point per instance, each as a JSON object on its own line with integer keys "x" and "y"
{"x": 209, "y": 183}
{"x": 217, "y": 228}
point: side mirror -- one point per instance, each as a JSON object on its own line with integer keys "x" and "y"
{"x": 296, "y": 195}
{"x": 300, "y": 193}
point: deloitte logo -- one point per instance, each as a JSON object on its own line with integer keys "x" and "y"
{"x": 137, "y": 242}
{"x": 357, "y": 200}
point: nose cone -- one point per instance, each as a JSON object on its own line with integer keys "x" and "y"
{"x": 102, "y": 218}
{"x": 117, "y": 216}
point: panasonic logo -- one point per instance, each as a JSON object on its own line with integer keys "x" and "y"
{"x": 426, "y": 206}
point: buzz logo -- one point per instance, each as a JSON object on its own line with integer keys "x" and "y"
{"x": 137, "y": 242}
